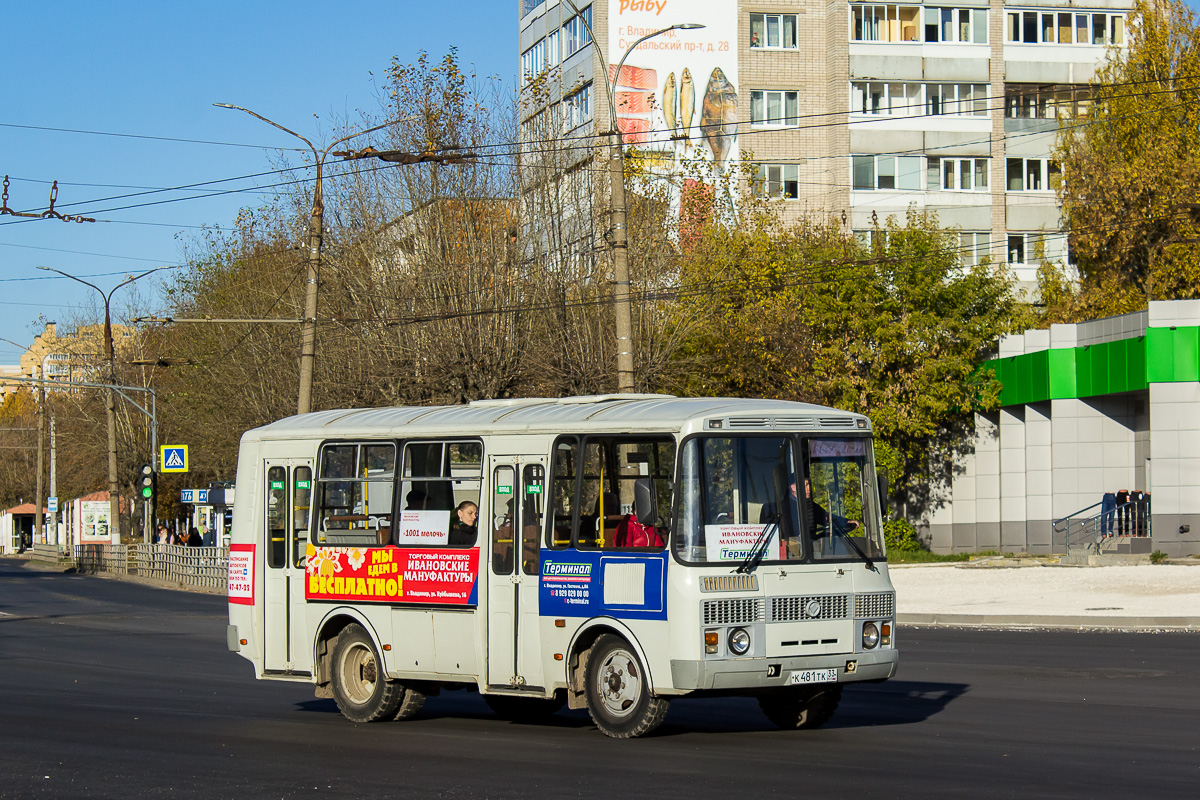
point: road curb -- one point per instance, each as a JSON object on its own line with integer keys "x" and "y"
{"x": 1052, "y": 621}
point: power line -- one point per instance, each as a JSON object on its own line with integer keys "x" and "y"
{"x": 142, "y": 136}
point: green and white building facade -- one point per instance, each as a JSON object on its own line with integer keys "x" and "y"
{"x": 1096, "y": 407}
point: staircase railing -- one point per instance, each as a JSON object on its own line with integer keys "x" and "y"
{"x": 1131, "y": 518}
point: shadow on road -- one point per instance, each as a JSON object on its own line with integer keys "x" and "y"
{"x": 893, "y": 703}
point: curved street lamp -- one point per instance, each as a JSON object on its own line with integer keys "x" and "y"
{"x": 620, "y": 231}
{"x": 110, "y": 405}
{"x": 308, "y": 331}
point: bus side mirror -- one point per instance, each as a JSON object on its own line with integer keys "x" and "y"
{"x": 645, "y": 504}
{"x": 883, "y": 489}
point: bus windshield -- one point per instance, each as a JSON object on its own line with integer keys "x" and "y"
{"x": 780, "y": 498}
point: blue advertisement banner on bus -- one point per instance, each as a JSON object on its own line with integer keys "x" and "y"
{"x": 582, "y": 583}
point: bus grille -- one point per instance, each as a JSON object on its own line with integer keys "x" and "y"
{"x": 729, "y": 583}
{"x": 882, "y": 604}
{"x": 732, "y": 612}
{"x": 791, "y": 609}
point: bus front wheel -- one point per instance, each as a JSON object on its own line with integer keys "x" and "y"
{"x": 801, "y": 709}
{"x": 361, "y": 689}
{"x": 618, "y": 691}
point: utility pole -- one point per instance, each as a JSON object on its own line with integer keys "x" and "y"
{"x": 110, "y": 400}
{"x": 39, "y": 531}
{"x": 620, "y": 229}
{"x": 53, "y": 477}
{"x": 308, "y": 329}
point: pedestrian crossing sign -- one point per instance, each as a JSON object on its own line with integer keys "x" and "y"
{"x": 174, "y": 458}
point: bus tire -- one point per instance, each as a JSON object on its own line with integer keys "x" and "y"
{"x": 360, "y": 688}
{"x": 618, "y": 693}
{"x": 523, "y": 709}
{"x": 801, "y": 709}
{"x": 410, "y": 704}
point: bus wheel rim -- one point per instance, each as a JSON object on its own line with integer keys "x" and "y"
{"x": 619, "y": 683}
{"x": 359, "y": 673}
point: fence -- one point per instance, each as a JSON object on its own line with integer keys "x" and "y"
{"x": 207, "y": 567}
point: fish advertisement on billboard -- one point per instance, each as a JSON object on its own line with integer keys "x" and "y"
{"x": 676, "y": 95}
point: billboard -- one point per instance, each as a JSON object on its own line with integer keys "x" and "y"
{"x": 677, "y": 92}
{"x": 93, "y": 516}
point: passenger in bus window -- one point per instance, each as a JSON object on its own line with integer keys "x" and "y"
{"x": 464, "y": 527}
{"x": 416, "y": 499}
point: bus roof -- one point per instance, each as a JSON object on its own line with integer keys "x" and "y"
{"x": 599, "y": 413}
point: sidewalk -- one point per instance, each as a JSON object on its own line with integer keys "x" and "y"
{"x": 1026, "y": 593}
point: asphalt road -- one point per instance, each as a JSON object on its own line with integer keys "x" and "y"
{"x": 118, "y": 690}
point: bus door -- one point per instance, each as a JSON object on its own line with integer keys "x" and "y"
{"x": 514, "y": 658}
{"x": 288, "y": 490}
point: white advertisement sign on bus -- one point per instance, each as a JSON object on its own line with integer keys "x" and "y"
{"x": 677, "y": 92}
{"x": 421, "y": 527}
{"x": 734, "y": 542}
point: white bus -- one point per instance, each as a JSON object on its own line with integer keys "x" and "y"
{"x": 626, "y": 550}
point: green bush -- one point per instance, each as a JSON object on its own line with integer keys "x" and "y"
{"x": 898, "y": 534}
{"x": 1158, "y": 557}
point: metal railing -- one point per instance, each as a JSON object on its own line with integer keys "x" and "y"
{"x": 1131, "y": 518}
{"x": 194, "y": 566}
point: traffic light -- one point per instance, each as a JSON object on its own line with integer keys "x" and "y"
{"x": 148, "y": 481}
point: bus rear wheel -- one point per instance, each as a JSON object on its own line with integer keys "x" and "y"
{"x": 361, "y": 689}
{"x": 801, "y": 709}
{"x": 618, "y": 691}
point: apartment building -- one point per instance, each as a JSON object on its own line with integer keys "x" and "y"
{"x": 852, "y": 109}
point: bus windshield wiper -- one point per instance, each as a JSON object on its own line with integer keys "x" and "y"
{"x": 758, "y": 550}
{"x": 850, "y": 541}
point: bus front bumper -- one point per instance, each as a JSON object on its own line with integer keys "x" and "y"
{"x": 765, "y": 673}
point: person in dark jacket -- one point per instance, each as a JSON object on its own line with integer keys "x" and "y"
{"x": 194, "y": 538}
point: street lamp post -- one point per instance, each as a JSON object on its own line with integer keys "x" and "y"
{"x": 620, "y": 230}
{"x": 110, "y": 404}
{"x": 308, "y": 330}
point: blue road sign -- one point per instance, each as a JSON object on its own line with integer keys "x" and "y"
{"x": 174, "y": 458}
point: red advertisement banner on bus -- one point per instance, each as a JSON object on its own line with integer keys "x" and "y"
{"x": 393, "y": 575}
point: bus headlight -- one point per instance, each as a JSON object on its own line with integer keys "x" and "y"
{"x": 870, "y": 635}
{"x": 738, "y": 641}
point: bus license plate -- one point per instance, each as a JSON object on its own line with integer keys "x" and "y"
{"x": 813, "y": 676}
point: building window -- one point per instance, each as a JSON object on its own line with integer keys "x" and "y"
{"x": 533, "y": 61}
{"x": 776, "y": 180}
{"x": 975, "y": 246}
{"x": 959, "y": 174}
{"x": 553, "y": 48}
{"x": 1033, "y": 175}
{"x": 1061, "y": 27}
{"x": 885, "y": 23}
{"x": 575, "y": 33}
{"x": 886, "y": 172}
{"x": 1045, "y": 101}
{"x": 770, "y": 109}
{"x": 577, "y": 108}
{"x": 892, "y": 99}
{"x": 773, "y": 31}
{"x": 956, "y": 25}
{"x": 915, "y": 99}
{"x": 957, "y": 99}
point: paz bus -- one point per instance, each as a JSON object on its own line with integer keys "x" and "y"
{"x": 624, "y": 551}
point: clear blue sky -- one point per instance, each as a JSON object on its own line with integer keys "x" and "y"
{"x": 154, "y": 69}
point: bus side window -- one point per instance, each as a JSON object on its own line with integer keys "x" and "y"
{"x": 301, "y": 499}
{"x": 562, "y": 501}
{"x": 503, "y": 488}
{"x": 531, "y": 518}
{"x": 276, "y": 517}
{"x": 624, "y": 490}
